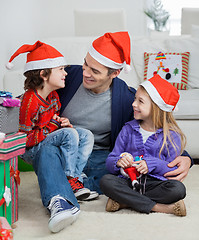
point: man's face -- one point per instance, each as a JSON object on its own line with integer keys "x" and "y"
{"x": 95, "y": 75}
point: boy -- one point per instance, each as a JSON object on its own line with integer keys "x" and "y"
{"x": 39, "y": 119}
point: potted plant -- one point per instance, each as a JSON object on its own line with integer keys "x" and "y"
{"x": 158, "y": 15}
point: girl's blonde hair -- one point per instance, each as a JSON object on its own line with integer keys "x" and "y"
{"x": 167, "y": 122}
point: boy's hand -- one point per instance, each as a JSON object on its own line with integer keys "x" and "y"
{"x": 125, "y": 161}
{"x": 141, "y": 167}
{"x": 56, "y": 117}
{"x": 65, "y": 122}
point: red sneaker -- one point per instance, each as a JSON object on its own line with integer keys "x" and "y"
{"x": 78, "y": 188}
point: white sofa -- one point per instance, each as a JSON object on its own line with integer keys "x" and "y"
{"x": 75, "y": 49}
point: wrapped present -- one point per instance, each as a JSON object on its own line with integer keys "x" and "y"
{"x": 12, "y": 146}
{"x": 10, "y": 102}
{"x": 9, "y": 119}
{"x": 6, "y": 232}
{"x": 5, "y": 193}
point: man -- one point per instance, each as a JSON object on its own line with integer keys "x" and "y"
{"x": 96, "y": 99}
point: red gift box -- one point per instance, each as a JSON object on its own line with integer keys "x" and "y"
{"x": 12, "y": 146}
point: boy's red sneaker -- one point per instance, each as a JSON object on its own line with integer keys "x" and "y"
{"x": 78, "y": 188}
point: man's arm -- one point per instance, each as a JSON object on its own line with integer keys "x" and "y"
{"x": 183, "y": 162}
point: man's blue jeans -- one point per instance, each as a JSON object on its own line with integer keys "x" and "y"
{"x": 62, "y": 152}
{"x": 95, "y": 169}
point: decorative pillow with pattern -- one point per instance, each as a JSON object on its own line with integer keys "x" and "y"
{"x": 173, "y": 67}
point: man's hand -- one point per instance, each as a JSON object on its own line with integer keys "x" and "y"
{"x": 183, "y": 163}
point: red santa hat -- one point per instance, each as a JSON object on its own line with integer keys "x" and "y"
{"x": 112, "y": 50}
{"x": 163, "y": 93}
{"x": 40, "y": 56}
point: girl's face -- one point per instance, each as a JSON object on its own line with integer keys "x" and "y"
{"x": 57, "y": 78}
{"x": 142, "y": 105}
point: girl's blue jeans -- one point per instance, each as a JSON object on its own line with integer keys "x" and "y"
{"x": 62, "y": 153}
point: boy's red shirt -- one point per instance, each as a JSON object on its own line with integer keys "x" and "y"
{"x": 36, "y": 115}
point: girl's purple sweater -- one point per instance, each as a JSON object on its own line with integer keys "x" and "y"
{"x": 130, "y": 140}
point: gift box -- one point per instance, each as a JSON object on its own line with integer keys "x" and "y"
{"x": 9, "y": 119}
{"x": 6, "y": 232}
{"x": 5, "y": 194}
{"x": 12, "y": 146}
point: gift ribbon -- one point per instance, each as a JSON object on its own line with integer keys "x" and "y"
{"x": 6, "y": 234}
{"x": 15, "y": 173}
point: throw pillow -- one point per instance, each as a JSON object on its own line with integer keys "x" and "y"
{"x": 173, "y": 67}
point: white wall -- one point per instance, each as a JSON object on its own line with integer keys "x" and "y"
{"x": 26, "y": 21}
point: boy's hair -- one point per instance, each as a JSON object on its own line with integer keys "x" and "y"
{"x": 167, "y": 122}
{"x": 34, "y": 80}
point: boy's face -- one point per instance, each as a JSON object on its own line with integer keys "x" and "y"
{"x": 95, "y": 75}
{"x": 57, "y": 78}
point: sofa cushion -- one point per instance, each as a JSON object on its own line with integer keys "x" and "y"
{"x": 141, "y": 45}
{"x": 172, "y": 67}
{"x": 191, "y": 45}
{"x": 188, "y": 105}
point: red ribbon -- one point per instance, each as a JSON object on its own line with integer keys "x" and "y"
{"x": 15, "y": 174}
{"x": 6, "y": 234}
{"x": 2, "y": 201}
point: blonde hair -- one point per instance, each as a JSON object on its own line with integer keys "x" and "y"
{"x": 167, "y": 122}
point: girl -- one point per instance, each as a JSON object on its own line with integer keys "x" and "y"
{"x": 155, "y": 135}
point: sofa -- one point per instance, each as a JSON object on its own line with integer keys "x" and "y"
{"x": 187, "y": 110}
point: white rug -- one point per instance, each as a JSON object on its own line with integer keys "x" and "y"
{"x": 96, "y": 224}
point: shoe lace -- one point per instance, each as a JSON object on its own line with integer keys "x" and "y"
{"x": 55, "y": 205}
{"x": 75, "y": 183}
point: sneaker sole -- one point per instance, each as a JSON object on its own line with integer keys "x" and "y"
{"x": 92, "y": 196}
{"x": 63, "y": 219}
{"x": 82, "y": 194}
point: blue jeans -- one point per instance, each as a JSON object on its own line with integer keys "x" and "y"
{"x": 95, "y": 169}
{"x": 62, "y": 152}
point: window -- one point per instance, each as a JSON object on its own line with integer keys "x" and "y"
{"x": 175, "y": 8}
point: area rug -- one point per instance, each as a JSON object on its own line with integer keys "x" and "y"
{"x": 94, "y": 223}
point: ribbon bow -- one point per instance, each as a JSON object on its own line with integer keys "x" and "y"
{"x": 6, "y": 197}
{"x": 6, "y": 234}
{"x": 15, "y": 174}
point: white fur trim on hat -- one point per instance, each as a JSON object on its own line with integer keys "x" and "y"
{"x": 9, "y": 65}
{"x": 103, "y": 60}
{"x": 46, "y": 63}
{"x": 127, "y": 68}
{"x": 155, "y": 96}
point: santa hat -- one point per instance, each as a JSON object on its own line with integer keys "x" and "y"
{"x": 160, "y": 56}
{"x": 163, "y": 93}
{"x": 40, "y": 56}
{"x": 112, "y": 50}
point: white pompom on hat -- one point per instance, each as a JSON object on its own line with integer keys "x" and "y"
{"x": 163, "y": 93}
{"x": 112, "y": 50}
{"x": 40, "y": 56}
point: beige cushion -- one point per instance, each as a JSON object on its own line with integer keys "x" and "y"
{"x": 188, "y": 105}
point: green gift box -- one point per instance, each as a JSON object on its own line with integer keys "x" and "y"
{"x": 12, "y": 146}
{"x": 5, "y": 208}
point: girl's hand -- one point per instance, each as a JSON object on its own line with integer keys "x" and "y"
{"x": 65, "y": 122}
{"x": 125, "y": 161}
{"x": 141, "y": 167}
